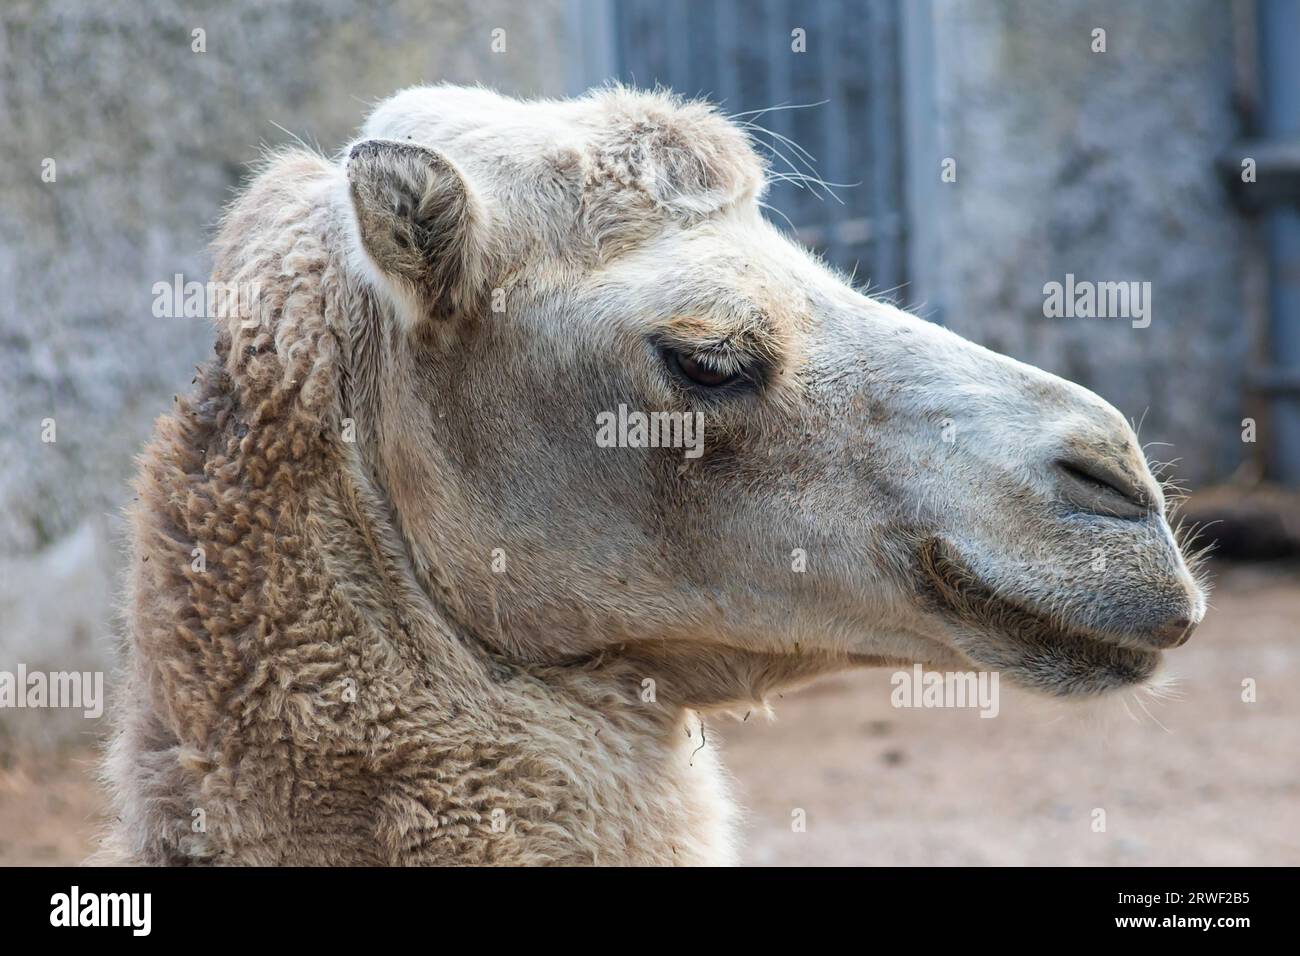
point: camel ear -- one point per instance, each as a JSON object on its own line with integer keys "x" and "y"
{"x": 420, "y": 228}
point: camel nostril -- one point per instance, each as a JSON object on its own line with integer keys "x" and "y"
{"x": 1174, "y": 634}
{"x": 1099, "y": 488}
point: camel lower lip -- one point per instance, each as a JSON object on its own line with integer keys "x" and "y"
{"x": 1029, "y": 645}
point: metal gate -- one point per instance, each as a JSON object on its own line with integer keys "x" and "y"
{"x": 823, "y": 82}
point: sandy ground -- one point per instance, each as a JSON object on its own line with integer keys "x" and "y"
{"x": 50, "y": 808}
{"x": 1204, "y": 779}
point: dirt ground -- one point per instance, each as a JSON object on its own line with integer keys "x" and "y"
{"x": 50, "y": 808}
{"x": 1205, "y": 778}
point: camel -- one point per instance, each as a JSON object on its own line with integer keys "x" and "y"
{"x": 390, "y": 600}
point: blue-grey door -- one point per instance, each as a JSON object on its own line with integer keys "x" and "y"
{"x": 822, "y": 80}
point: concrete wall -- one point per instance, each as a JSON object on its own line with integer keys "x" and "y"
{"x": 148, "y": 139}
{"x": 1100, "y": 165}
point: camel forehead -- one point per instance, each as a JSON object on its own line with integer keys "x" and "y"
{"x": 733, "y": 266}
{"x": 665, "y": 190}
{"x": 624, "y": 161}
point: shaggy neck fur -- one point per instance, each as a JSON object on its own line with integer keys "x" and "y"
{"x": 299, "y": 692}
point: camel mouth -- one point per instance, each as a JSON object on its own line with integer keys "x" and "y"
{"x": 1033, "y": 649}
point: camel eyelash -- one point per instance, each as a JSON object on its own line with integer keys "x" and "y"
{"x": 710, "y": 369}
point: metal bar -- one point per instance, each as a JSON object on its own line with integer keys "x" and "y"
{"x": 1274, "y": 381}
{"x": 778, "y": 90}
{"x": 727, "y": 28}
{"x": 1279, "y": 25}
{"x": 884, "y": 183}
{"x": 677, "y": 42}
{"x": 592, "y": 27}
{"x": 923, "y": 150}
{"x": 1277, "y": 172}
{"x": 834, "y": 146}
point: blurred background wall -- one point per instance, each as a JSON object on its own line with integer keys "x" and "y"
{"x": 1100, "y": 164}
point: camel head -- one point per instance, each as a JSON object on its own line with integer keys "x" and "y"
{"x": 828, "y": 478}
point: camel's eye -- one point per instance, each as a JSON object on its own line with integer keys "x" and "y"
{"x": 701, "y": 370}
